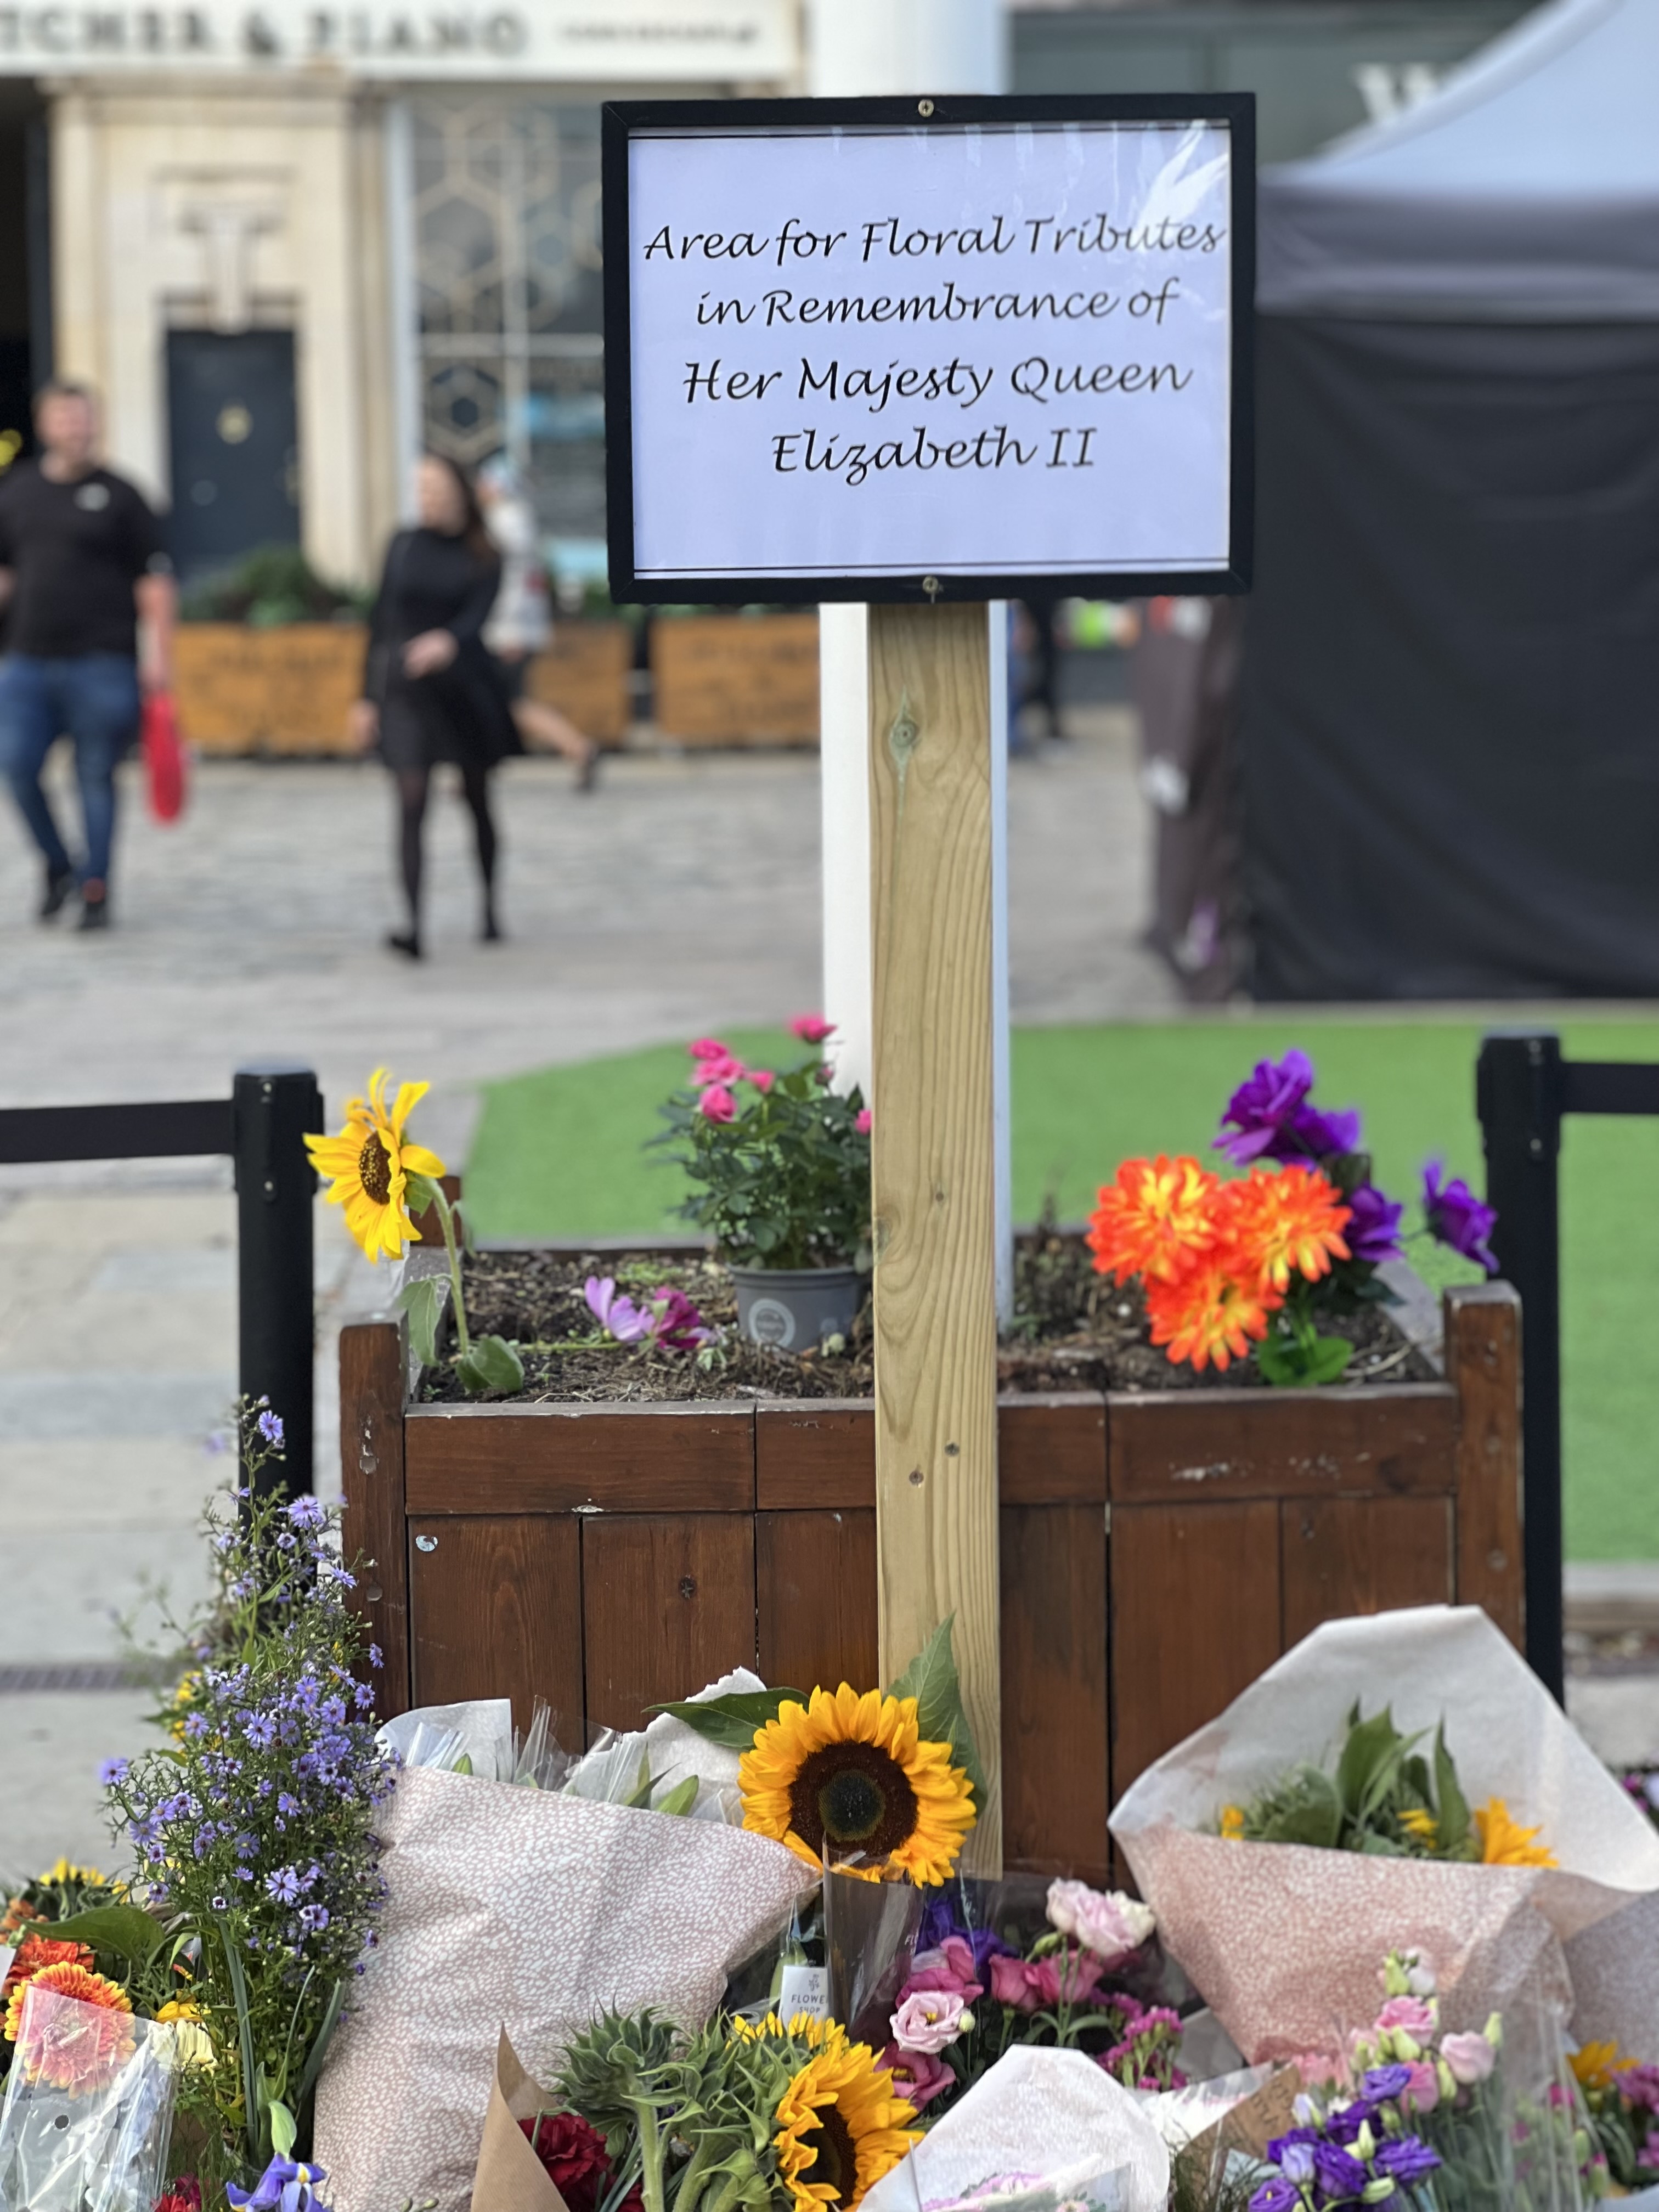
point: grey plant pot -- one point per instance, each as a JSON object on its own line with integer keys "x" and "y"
{"x": 796, "y": 1308}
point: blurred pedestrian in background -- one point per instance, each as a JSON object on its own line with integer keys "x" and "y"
{"x": 520, "y": 624}
{"x": 430, "y": 691}
{"x": 81, "y": 566}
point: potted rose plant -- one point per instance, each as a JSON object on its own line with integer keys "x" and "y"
{"x": 779, "y": 1165}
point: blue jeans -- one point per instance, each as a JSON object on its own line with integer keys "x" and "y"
{"x": 93, "y": 699}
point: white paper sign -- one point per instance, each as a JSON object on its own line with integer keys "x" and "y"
{"x": 996, "y": 350}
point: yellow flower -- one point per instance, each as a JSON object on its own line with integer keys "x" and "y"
{"x": 839, "y": 2128}
{"x": 370, "y": 1163}
{"x": 800, "y": 2027}
{"x": 65, "y": 1873}
{"x": 191, "y": 2040}
{"x": 1596, "y": 2063}
{"x": 1504, "y": 1843}
{"x": 847, "y": 1775}
{"x": 1420, "y": 1825}
{"x": 1233, "y": 1823}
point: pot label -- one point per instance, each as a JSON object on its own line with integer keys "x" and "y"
{"x": 771, "y": 1322}
{"x": 804, "y": 1988}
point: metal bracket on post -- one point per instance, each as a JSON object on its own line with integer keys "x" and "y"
{"x": 1519, "y": 1095}
{"x": 276, "y": 1106}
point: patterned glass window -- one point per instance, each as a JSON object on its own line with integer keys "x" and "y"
{"x": 507, "y": 263}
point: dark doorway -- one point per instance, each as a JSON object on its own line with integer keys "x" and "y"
{"x": 25, "y": 276}
{"x": 235, "y": 445}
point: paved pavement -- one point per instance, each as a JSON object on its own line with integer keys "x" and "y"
{"x": 683, "y": 898}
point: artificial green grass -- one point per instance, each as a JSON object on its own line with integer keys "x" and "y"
{"x": 558, "y": 1154}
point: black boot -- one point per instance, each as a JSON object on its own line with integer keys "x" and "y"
{"x": 94, "y": 905}
{"x": 406, "y": 941}
{"x": 60, "y": 882}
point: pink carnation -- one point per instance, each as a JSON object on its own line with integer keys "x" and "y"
{"x": 717, "y": 1103}
{"x": 1409, "y": 2013}
{"x": 918, "y": 2077}
{"x": 864, "y": 1121}
{"x": 812, "y": 1029}
{"x": 950, "y": 1968}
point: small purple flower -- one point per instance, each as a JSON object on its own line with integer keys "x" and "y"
{"x": 677, "y": 1324}
{"x": 1457, "y": 1217}
{"x": 1313, "y": 1134}
{"x": 1406, "y": 2158}
{"x": 1276, "y": 2195}
{"x": 376, "y": 1657}
{"x": 1343, "y": 2126}
{"x": 113, "y": 1771}
{"x": 270, "y": 1428}
{"x": 284, "y": 2186}
{"x": 1373, "y": 1230}
{"x": 1297, "y": 2163}
{"x": 222, "y": 1905}
{"x": 1386, "y": 2081}
{"x": 618, "y": 1316}
{"x": 1338, "y": 2174}
{"x": 1263, "y": 1104}
{"x": 307, "y": 1513}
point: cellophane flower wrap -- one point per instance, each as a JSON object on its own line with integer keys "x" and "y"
{"x": 88, "y": 2104}
{"x": 528, "y": 1911}
{"x": 1282, "y": 1939}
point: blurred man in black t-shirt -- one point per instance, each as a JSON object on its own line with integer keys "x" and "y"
{"x": 81, "y": 565}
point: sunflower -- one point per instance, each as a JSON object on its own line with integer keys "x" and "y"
{"x": 1503, "y": 1841}
{"x": 1420, "y": 1826}
{"x": 1209, "y": 1314}
{"x": 1153, "y": 1218}
{"x": 800, "y": 2027}
{"x": 74, "y": 2046}
{"x": 841, "y": 2127}
{"x": 1288, "y": 1223}
{"x": 371, "y": 1163}
{"x": 849, "y": 1775}
{"x": 1233, "y": 1823}
{"x": 1596, "y": 2064}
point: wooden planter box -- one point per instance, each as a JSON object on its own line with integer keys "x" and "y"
{"x": 585, "y": 674}
{"x": 736, "y": 680}
{"x": 285, "y": 690}
{"x": 1157, "y": 1551}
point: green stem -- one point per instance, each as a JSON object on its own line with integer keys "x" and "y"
{"x": 736, "y": 2188}
{"x": 447, "y": 1221}
{"x": 695, "y": 2173}
{"x": 651, "y": 2151}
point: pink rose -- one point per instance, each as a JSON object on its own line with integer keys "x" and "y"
{"x": 950, "y": 1968}
{"x": 762, "y": 1077}
{"x": 1471, "y": 2057}
{"x": 928, "y": 2020}
{"x": 864, "y": 1121}
{"x": 1111, "y": 1925}
{"x": 724, "y": 1067}
{"x": 717, "y": 1103}
{"x": 1422, "y": 2092}
{"x": 708, "y": 1048}
{"x": 918, "y": 2077}
{"x": 812, "y": 1029}
{"x": 1409, "y": 2013}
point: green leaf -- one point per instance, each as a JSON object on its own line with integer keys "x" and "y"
{"x": 330, "y": 2020}
{"x": 1312, "y": 1815}
{"x": 1329, "y": 1359}
{"x": 682, "y": 1798}
{"x": 283, "y": 2128}
{"x": 1372, "y": 1751}
{"x": 421, "y": 1300}
{"x": 420, "y": 1192}
{"x": 734, "y": 1719}
{"x": 125, "y": 1931}
{"x": 931, "y": 1679}
{"x": 641, "y": 1796}
{"x": 244, "y": 2036}
{"x": 491, "y": 1365}
{"x": 1452, "y": 1826}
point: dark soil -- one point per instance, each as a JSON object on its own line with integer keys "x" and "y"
{"x": 1073, "y": 1330}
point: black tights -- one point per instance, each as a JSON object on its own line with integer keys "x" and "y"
{"x": 413, "y": 785}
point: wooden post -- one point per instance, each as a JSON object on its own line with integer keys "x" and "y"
{"x": 934, "y": 1170}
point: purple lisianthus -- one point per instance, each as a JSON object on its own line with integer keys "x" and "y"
{"x": 1342, "y": 2127}
{"x": 1386, "y": 2081}
{"x": 1406, "y": 2158}
{"x": 1373, "y": 1230}
{"x": 1276, "y": 2195}
{"x": 1457, "y": 1217}
{"x": 1262, "y": 1107}
{"x": 940, "y": 1918}
{"x": 1317, "y": 1134}
{"x": 1338, "y": 2174}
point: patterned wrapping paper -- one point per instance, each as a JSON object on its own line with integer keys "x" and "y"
{"x": 516, "y": 1910}
{"x": 1284, "y": 1941}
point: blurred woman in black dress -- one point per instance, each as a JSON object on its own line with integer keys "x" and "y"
{"x": 430, "y": 692}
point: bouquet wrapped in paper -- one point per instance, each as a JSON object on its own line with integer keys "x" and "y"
{"x": 530, "y": 1910}
{"x": 1540, "y": 1847}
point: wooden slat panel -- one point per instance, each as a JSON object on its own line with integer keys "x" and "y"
{"x": 1055, "y": 1713}
{"x": 1195, "y": 1619}
{"x": 815, "y": 1451}
{"x": 725, "y": 680}
{"x": 1344, "y": 1555}
{"x": 584, "y": 672}
{"x": 668, "y": 1605}
{"x": 1052, "y": 1451}
{"x": 1201, "y": 1445}
{"x": 372, "y": 1473}
{"x": 495, "y": 1612}
{"x": 1483, "y": 1358}
{"x": 815, "y": 1598}
{"x": 550, "y": 1459}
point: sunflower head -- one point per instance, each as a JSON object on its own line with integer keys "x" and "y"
{"x": 1504, "y": 1842}
{"x": 840, "y": 2126}
{"x": 846, "y": 1778}
{"x": 369, "y": 1165}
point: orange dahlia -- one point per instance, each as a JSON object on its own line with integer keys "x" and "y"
{"x": 1288, "y": 1223}
{"x": 35, "y": 1952}
{"x": 1154, "y": 1219}
{"x": 76, "y": 2045}
{"x": 1210, "y": 1314}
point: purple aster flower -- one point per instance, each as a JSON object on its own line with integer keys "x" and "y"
{"x": 1276, "y": 2195}
{"x": 1262, "y": 1106}
{"x": 307, "y": 1513}
{"x": 1338, "y": 2174}
{"x": 1406, "y": 2158}
{"x": 113, "y": 1770}
{"x": 1386, "y": 2081}
{"x": 1457, "y": 1217}
{"x": 1373, "y": 1230}
{"x": 270, "y": 1428}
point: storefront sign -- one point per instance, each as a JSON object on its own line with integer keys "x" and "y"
{"x": 560, "y": 40}
{"x": 875, "y": 348}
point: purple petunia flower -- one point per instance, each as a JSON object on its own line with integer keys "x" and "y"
{"x": 1373, "y": 1230}
{"x": 1263, "y": 1105}
{"x": 1406, "y": 2158}
{"x": 1457, "y": 1217}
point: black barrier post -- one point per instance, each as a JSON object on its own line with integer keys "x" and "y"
{"x": 275, "y": 1107}
{"x": 1520, "y": 1094}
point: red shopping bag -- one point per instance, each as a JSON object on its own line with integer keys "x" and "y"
{"x": 164, "y": 756}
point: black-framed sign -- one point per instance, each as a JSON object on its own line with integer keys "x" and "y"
{"x": 896, "y": 348}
